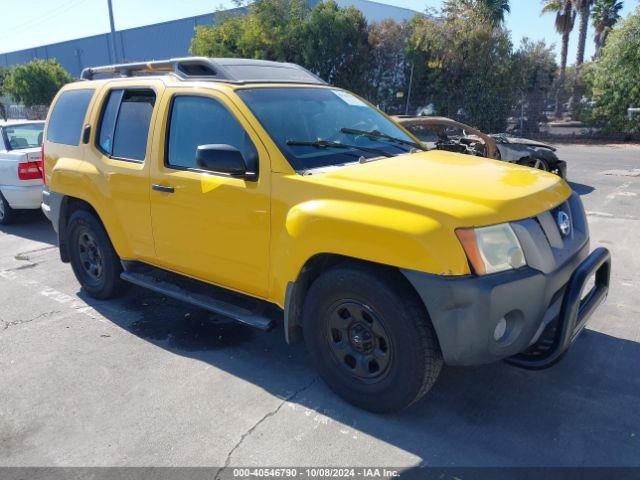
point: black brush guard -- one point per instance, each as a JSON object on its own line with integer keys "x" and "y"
{"x": 574, "y": 313}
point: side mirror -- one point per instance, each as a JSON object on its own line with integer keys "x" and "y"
{"x": 221, "y": 158}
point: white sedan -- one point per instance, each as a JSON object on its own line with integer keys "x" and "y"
{"x": 20, "y": 167}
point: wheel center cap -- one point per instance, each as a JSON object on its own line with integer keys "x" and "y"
{"x": 361, "y": 338}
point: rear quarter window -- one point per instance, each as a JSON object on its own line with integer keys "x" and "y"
{"x": 65, "y": 122}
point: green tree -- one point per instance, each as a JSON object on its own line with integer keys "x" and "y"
{"x": 335, "y": 45}
{"x": 492, "y": 11}
{"x": 534, "y": 68}
{"x": 389, "y": 68}
{"x": 604, "y": 16}
{"x": 270, "y": 31}
{"x": 463, "y": 66}
{"x": 36, "y": 82}
{"x": 329, "y": 40}
{"x": 221, "y": 40}
{"x": 3, "y": 73}
{"x": 565, "y": 21}
{"x": 614, "y": 80}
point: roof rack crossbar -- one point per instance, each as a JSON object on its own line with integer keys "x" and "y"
{"x": 202, "y": 68}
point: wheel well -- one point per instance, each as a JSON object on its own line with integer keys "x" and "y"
{"x": 68, "y": 206}
{"x": 312, "y": 269}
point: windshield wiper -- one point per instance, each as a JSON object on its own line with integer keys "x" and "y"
{"x": 329, "y": 144}
{"x": 381, "y": 136}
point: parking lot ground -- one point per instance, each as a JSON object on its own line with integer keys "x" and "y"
{"x": 144, "y": 380}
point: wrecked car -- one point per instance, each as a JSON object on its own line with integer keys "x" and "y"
{"x": 443, "y": 133}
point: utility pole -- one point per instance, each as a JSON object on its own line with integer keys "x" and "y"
{"x": 114, "y": 55}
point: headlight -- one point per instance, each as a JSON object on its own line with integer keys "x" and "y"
{"x": 492, "y": 249}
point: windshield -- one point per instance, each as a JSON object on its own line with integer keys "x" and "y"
{"x": 25, "y": 135}
{"x": 306, "y": 123}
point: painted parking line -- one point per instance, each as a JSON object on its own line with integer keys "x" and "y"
{"x": 70, "y": 302}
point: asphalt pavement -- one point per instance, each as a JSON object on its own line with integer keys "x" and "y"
{"x": 144, "y": 380}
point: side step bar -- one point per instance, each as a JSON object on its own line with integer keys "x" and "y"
{"x": 234, "y": 312}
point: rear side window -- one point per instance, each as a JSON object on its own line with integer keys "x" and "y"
{"x": 201, "y": 121}
{"x": 124, "y": 128}
{"x": 65, "y": 123}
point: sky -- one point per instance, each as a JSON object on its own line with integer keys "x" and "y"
{"x": 29, "y": 23}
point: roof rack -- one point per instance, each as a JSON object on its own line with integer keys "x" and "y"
{"x": 231, "y": 70}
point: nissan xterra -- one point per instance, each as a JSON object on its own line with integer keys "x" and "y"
{"x": 250, "y": 187}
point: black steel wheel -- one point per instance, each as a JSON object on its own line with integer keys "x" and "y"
{"x": 370, "y": 338}
{"x": 93, "y": 258}
{"x": 90, "y": 253}
{"x": 358, "y": 340}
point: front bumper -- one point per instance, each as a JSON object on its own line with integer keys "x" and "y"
{"x": 575, "y": 312}
{"x": 561, "y": 167}
{"x": 465, "y": 311}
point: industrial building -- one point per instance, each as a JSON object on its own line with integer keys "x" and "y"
{"x": 158, "y": 41}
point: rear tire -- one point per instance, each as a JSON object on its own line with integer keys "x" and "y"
{"x": 7, "y": 214}
{"x": 370, "y": 337}
{"x": 93, "y": 258}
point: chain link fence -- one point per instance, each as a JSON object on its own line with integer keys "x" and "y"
{"x": 20, "y": 112}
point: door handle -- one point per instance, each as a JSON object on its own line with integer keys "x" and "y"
{"x": 162, "y": 188}
{"x": 86, "y": 133}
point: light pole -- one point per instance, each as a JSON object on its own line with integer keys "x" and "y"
{"x": 114, "y": 54}
{"x": 406, "y": 107}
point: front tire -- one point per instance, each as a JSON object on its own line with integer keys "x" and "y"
{"x": 93, "y": 259}
{"x": 7, "y": 213}
{"x": 536, "y": 162}
{"x": 370, "y": 337}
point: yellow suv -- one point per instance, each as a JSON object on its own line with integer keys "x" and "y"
{"x": 240, "y": 185}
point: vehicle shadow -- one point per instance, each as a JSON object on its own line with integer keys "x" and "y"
{"x": 581, "y": 189}
{"x": 582, "y": 412}
{"x": 32, "y": 225}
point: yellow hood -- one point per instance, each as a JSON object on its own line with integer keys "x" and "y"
{"x": 474, "y": 190}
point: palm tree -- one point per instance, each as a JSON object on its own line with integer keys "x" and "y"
{"x": 496, "y": 10}
{"x": 565, "y": 20}
{"x": 493, "y": 11}
{"x": 583, "y": 7}
{"x": 605, "y": 15}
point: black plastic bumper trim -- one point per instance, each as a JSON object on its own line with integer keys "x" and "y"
{"x": 575, "y": 311}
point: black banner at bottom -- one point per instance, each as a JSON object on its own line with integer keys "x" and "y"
{"x": 321, "y": 473}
